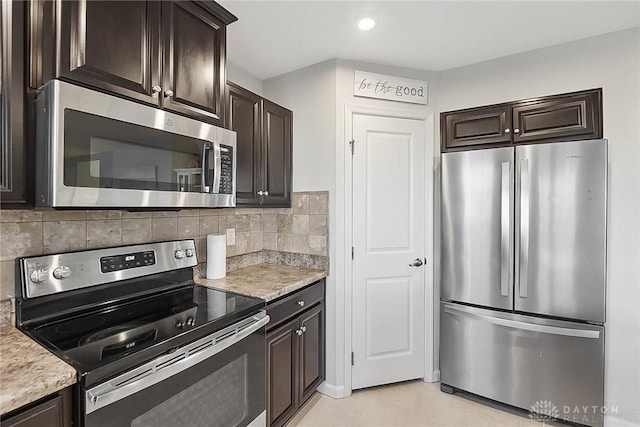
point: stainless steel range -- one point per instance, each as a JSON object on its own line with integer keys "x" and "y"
{"x": 151, "y": 348}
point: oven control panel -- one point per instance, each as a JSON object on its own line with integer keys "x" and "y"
{"x": 123, "y": 262}
{"x": 50, "y": 274}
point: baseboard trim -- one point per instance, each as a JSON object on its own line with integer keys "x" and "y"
{"x": 433, "y": 378}
{"x": 611, "y": 421}
{"x": 334, "y": 391}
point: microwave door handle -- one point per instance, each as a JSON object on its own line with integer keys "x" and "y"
{"x": 217, "y": 159}
{"x": 206, "y": 148}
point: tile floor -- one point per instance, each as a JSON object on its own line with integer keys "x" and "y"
{"x": 413, "y": 403}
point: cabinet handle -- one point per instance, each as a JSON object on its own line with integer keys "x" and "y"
{"x": 507, "y": 130}
{"x": 304, "y": 329}
{"x": 301, "y": 303}
{"x": 168, "y": 93}
{"x": 266, "y": 193}
{"x": 260, "y": 193}
{"x": 299, "y": 332}
{"x": 516, "y": 130}
{"x": 156, "y": 89}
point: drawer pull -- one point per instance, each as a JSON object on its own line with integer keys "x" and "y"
{"x": 301, "y": 303}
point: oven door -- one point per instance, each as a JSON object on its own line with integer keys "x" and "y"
{"x": 218, "y": 380}
{"x": 103, "y": 151}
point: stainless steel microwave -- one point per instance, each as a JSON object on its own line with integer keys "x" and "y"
{"x": 98, "y": 150}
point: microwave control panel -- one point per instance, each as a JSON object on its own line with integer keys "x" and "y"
{"x": 226, "y": 174}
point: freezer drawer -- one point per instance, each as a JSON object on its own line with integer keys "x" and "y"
{"x": 524, "y": 361}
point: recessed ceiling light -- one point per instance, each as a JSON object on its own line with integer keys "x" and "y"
{"x": 365, "y": 24}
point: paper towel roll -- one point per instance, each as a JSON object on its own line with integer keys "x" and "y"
{"x": 216, "y": 256}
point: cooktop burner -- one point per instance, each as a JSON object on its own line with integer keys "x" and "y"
{"x": 119, "y": 330}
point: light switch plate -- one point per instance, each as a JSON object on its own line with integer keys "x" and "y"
{"x": 231, "y": 236}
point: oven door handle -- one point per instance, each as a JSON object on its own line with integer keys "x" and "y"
{"x": 170, "y": 364}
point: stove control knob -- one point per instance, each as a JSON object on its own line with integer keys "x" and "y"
{"x": 191, "y": 321}
{"x": 62, "y": 272}
{"x": 39, "y": 275}
{"x": 189, "y": 253}
{"x": 179, "y": 324}
{"x": 179, "y": 254}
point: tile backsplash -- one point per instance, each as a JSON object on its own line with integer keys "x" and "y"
{"x": 302, "y": 229}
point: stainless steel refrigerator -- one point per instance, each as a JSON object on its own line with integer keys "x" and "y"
{"x": 523, "y": 276}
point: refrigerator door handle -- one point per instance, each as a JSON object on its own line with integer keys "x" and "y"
{"x": 516, "y": 324}
{"x": 524, "y": 227}
{"x": 505, "y": 230}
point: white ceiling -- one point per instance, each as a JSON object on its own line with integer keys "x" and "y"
{"x": 274, "y": 37}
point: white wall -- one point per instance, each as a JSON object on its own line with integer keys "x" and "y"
{"x": 310, "y": 94}
{"x": 612, "y": 62}
{"x": 244, "y": 78}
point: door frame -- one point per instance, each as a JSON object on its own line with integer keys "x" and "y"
{"x": 431, "y": 375}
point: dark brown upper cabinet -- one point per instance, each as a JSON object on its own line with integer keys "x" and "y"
{"x": 276, "y": 152}
{"x": 170, "y": 54}
{"x": 263, "y": 129}
{"x": 244, "y": 118}
{"x": 559, "y": 118}
{"x": 194, "y": 61}
{"x": 479, "y": 126}
{"x": 112, "y": 45}
{"x": 565, "y": 117}
{"x": 13, "y": 143}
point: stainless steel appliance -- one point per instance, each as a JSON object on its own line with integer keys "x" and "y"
{"x": 98, "y": 150}
{"x": 523, "y": 276}
{"x": 151, "y": 348}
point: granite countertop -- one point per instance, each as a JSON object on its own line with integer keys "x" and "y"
{"x": 28, "y": 371}
{"x": 266, "y": 281}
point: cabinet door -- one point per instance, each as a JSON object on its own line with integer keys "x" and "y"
{"x": 13, "y": 177}
{"x": 55, "y": 412}
{"x": 282, "y": 362}
{"x": 244, "y": 119}
{"x": 467, "y": 128}
{"x": 567, "y": 117}
{"x": 112, "y": 46}
{"x": 276, "y": 152}
{"x": 311, "y": 369}
{"x": 193, "y": 71}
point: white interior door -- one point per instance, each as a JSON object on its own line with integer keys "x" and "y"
{"x": 388, "y": 332}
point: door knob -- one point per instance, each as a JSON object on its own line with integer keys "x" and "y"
{"x": 417, "y": 263}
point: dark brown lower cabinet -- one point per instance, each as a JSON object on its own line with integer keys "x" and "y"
{"x": 52, "y": 411}
{"x": 295, "y": 351}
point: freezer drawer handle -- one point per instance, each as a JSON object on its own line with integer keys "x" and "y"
{"x": 533, "y": 327}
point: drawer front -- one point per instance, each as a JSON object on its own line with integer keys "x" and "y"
{"x": 282, "y": 309}
{"x": 524, "y": 361}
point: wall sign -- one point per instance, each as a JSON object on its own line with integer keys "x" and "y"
{"x": 379, "y": 86}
